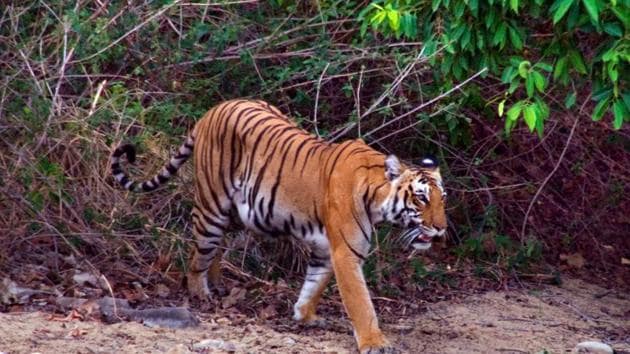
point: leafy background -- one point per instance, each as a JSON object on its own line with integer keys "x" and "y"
{"x": 524, "y": 102}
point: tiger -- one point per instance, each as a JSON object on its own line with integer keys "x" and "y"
{"x": 255, "y": 168}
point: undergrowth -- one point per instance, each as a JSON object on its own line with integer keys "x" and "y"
{"x": 78, "y": 78}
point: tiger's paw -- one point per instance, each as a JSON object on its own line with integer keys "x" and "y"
{"x": 304, "y": 313}
{"x": 317, "y": 322}
{"x": 377, "y": 344}
{"x": 198, "y": 286}
{"x": 380, "y": 350}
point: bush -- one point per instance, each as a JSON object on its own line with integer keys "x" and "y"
{"x": 584, "y": 45}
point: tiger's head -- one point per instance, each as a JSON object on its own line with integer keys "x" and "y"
{"x": 416, "y": 201}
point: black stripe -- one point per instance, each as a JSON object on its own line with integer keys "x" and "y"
{"x": 205, "y": 251}
{"x": 213, "y": 223}
{"x": 147, "y": 188}
{"x": 319, "y": 264}
{"x": 171, "y": 169}
{"x": 292, "y": 220}
{"x": 274, "y": 189}
{"x": 362, "y": 257}
{"x": 205, "y": 233}
{"x": 356, "y": 219}
{"x": 300, "y": 147}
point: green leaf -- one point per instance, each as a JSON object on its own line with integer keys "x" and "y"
{"x": 542, "y": 110}
{"x": 457, "y": 32}
{"x": 499, "y": 36}
{"x": 561, "y": 68}
{"x": 540, "y": 128}
{"x": 363, "y": 28}
{"x": 515, "y": 111}
{"x": 623, "y": 15}
{"x": 459, "y": 8}
{"x": 529, "y": 85}
{"x": 465, "y": 39}
{"x": 609, "y": 55}
{"x": 513, "y": 86}
{"x": 600, "y": 109}
{"x": 626, "y": 100}
{"x": 509, "y": 124}
{"x": 508, "y": 74}
{"x": 474, "y": 6}
{"x": 529, "y": 115}
{"x": 570, "y": 100}
{"x": 613, "y": 29}
{"x": 394, "y": 19}
{"x": 562, "y": 6}
{"x": 602, "y": 94}
{"x": 577, "y": 62}
{"x": 514, "y": 5}
{"x": 378, "y": 18}
{"x": 435, "y": 4}
{"x": 523, "y": 68}
{"x": 619, "y": 112}
{"x": 539, "y": 81}
{"x": 409, "y": 24}
{"x": 592, "y": 9}
{"x": 613, "y": 74}
{"x": 501, "y": 107}
{"x": 515, "y": 38}
{"x": 544, "y": 66}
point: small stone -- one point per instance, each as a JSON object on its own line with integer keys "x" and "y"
{"x": 162, "y": 290}
{"x": 85, "y": 278}
{"x": 179, "y": 349}
{"x": 591, "y": 347}
{"x": 288, "y": 341}
{"x": 214, "y": 344}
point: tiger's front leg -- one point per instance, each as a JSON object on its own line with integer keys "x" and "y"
{"x": 348, "y": 250}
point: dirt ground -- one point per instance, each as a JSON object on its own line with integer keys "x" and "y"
{"x": 551, "y": 318}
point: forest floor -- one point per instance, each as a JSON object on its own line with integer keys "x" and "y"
{"x": 549, "y": 318}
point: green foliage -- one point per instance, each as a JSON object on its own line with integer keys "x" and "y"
{"x": 501, "y": 250}
{"x": 507, "y": 36}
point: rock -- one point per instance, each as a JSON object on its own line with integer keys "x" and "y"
{"x": 214, "y": 344}
{"x": 113, "y": 309}
{"x": 592, "y": 348}
{"x": 11, "y": 293}
{"x": 81, "y": 279}
{"x": 288, "y": 341}
{"x": 169, "y": 317}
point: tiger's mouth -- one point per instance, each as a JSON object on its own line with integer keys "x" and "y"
{"x": 417, "y": 239}
{"x": 422, "y": 242}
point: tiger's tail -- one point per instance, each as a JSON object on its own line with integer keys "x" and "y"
{"x": 170, "y": 169}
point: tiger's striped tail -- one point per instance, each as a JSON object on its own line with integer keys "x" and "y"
{"x": 170, "y": 169}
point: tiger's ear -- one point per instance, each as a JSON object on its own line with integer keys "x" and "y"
{"x": 428, "y": 162}
{"x": 392, "y": 167}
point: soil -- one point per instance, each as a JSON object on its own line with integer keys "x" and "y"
{"x": 551, "y": 318}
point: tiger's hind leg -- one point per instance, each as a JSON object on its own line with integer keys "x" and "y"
{"x": 318, "y": 273}
{"x": 208, "y": 230}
